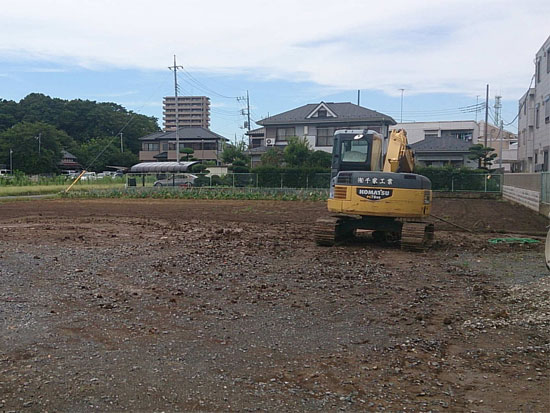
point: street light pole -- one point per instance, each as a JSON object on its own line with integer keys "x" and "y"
{"x": 11, "y": 161}
{"x": 402, "y": 90}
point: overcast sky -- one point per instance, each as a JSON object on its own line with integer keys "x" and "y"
{"x": 286, "y": 53}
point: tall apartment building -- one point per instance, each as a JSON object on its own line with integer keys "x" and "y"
{"x": 193, "y": 111}
{"x": 534, "y": 117}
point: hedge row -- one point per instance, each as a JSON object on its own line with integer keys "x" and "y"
{"x": 461, "y": 179}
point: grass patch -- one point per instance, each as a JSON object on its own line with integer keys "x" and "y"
{"x": 52, "y": 189}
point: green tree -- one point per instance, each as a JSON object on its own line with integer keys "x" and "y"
{"x": 231, "y": 153}
{"x": 81, "y": 119}
{"x": 36, "y": 147}
{"x": 297, "y": 152}
{"x": 482, "y": 154}
{"x": 99, "y": 153}
{"x": 187, "y": 152}
{"x": 320, "y": 159}
{"x": 239, "y": 167}
{"x": 8, "y": 114}
{"x": 200, "y": 168}
{"x": 272, "y": 157}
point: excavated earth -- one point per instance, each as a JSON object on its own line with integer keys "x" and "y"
{"x": 170, "y": 305}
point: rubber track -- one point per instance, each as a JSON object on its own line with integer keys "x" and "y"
{"x": 416, "y": 236}
{"x": 325, "y": 231}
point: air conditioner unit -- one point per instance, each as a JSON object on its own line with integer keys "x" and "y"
{"x": 269, "y": 141}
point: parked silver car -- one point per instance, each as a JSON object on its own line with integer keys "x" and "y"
{"x": 185, "y": 181}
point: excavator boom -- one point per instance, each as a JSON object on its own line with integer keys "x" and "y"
{"x": 399, "y": 158}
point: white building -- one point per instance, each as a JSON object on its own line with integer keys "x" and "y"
{"x": 534, "y": 117}
{"x": 466, "y": 130}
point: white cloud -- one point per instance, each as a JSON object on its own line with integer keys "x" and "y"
{"x": 423, "y": 46}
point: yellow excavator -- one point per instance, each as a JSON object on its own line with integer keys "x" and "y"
{"x": 376, "y": 192}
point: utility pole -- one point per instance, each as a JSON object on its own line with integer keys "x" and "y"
{"x": 39, "y": 139}
{"x": 248, "y": 110}
{"x": 11, "y": 161}
{"x": 247, "y": 99}
{"x": 358, "y": 97}
{"x": 486, "y": 115}
{"x": 121, "y": 147}
{"x": 175, "y": 69}
{"x": 498, "y": 107}
{"x": 402, "y": 90}
{"x": 501, "y": 133}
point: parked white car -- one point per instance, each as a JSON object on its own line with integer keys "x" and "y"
{"x": 89, "y": 176}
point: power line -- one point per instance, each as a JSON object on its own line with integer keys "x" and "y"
{"x": 522, "y": 103}
{"x": 204, "y": 87}
{"x": 128, "y": 122}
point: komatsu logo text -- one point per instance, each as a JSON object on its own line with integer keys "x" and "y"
{"x": 374, "y": 194}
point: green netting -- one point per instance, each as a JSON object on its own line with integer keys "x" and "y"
{"x": 513, "y": 241}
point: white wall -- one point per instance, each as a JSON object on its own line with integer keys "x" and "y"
{"x": 535, "y": 140}
{"x": 416, "y": 130}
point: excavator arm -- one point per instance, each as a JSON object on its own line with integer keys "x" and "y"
{"x": 399, "y": 158}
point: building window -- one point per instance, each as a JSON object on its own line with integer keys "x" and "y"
{"x": 322, "y": 113}
{"x": 325, "y": 137}
{"x": 256, "y": 143}
{"x": 284, "y": 133}
{"x": 150, "y": 146}
{"x": 465, "y": 134}
{"x": 199, "y": 146}
{"x": 431, "y": 134}
{"x": 547, "y": 109}
{"x": 538, "y": 70}
{"x": 537, "y": 113}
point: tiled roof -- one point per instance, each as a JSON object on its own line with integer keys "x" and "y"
{"x": 344, "y": 111}
{"x": 257, "y": 131}
{"x": 184, "y": 133}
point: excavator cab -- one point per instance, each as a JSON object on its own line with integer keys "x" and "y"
{"x": 356, "y": 150}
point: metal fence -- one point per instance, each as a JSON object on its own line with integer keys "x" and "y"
{"x": 291, "y": 180}
{"x": 469, "y": 183}
{"x": 243, "y": 180}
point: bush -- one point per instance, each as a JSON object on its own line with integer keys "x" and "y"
{"x": 449, "y": 178}
{"x": 273, "y": 177}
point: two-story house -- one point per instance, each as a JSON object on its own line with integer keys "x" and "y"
{"x": 161, "y": 146}
{"x": 316, "y": 122}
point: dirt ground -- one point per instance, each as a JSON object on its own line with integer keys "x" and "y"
{"x": 140, "y": 305}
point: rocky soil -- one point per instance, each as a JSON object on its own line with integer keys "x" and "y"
{"x": 230, "y": 306}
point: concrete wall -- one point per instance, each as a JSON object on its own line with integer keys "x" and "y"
{"x": 525, "y": 197}
{"x": 529, "y": 181}
{"x": 524, "y": 189}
